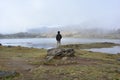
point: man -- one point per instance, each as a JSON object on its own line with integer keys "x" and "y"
{"x": 58, "y": 38}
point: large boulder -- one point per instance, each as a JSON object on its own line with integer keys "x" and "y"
{"x": 58, "y": 53}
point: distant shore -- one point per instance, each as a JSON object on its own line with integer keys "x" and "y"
{"x": 92, "y": 45}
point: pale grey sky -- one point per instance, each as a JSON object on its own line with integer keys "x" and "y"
{"x": 20, "y": 15}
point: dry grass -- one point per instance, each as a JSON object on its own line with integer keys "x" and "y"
{"x": 87, "y": 65}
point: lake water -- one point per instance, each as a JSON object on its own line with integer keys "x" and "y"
{"x": 113, "y": 50}
{"x": 51, "y": 43}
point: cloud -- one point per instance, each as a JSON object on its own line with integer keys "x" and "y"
{"x": 19, "y": 15}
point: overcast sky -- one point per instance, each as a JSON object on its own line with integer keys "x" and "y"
{"x": 20, "y": 15}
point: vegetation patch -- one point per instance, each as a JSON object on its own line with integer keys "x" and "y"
{"x": 91, "y": 45}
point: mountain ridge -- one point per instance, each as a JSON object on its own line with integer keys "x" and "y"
{"x": 45, "y": 32}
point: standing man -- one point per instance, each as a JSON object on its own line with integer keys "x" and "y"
{"x": 58, "y": 38}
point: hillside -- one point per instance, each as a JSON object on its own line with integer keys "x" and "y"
{"x": 66, "y": 32}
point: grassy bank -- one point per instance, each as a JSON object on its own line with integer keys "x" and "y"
{"x": 90, "y": 45}
{"x": 87, "y": 65}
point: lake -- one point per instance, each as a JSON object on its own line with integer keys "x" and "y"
{"x": 51, "y": 43}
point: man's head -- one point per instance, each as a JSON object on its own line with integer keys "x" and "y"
{"x": 58, "y": 32}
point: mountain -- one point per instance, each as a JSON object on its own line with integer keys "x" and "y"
{"x": 1, "y": 36}
{"x": 71, "y": 31}
{"x": 76, "y": 31}
{"x": 20, "y": 35}
{"x": 68, "y": 31}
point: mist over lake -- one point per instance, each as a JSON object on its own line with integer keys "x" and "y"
{"x": 51, "y": 43}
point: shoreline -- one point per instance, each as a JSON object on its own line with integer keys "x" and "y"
{"x": 86, "y": 46}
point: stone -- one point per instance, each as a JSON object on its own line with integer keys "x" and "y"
{"x": 64, "y": 58}
{"x": 118, "y": 59}
{"x": 0, "y": 44}
{"x": 59, "y": 53}
{"x": 4, "y": 74}
{"x": 118, "y": 71}
{"x": 28, "y": 69}
{"x": 49, "y": 58}
{"x": 9, "y": 46}
{"x": 118, "y": 53}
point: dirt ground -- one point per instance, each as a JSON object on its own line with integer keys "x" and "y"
{"x": 23, "y": 66}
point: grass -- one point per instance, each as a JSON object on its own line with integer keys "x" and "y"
{"x": 23, "y": 52}
{"x": 77, "y": 72}
{"x": 96, "y": 55}
{"x": 90, "y": 45}
{"x": 87, "y": 65}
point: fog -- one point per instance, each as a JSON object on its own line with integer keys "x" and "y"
{"x": 22, "y": 15}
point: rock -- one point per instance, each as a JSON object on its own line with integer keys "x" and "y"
{"x": 0, "y": 44}
{"x": 118, "y": 53}
{"x": 118, "y": 59}
{"x": 4, "y": 74}
{"x": 9, "y": 46}
{"x": 118, "y": 71}
{"x": 56, "y": 53}
{"x": 28, "y": 69}
{"x": 49, "y": 58}
{"x": 64, "y": 58}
